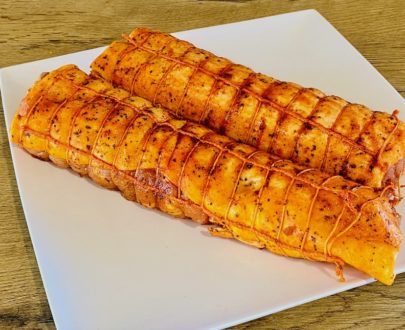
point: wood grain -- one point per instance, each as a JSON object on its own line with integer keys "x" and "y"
{"x": 31, "y": 30}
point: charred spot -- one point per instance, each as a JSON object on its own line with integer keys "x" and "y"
{"x": 78, "y": 132}
{"x": 226, "y": 75}
{"x": 361, "y": 181}
{"x": 343, "y": 171}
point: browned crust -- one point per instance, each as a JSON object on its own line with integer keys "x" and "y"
{"x": 292, "y": 122}
{"x": 186, "y": 170}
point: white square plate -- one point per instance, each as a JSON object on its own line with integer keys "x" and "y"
{"x": 108, "y": 263}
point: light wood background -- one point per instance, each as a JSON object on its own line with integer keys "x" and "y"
{"x": 31, "y": 30}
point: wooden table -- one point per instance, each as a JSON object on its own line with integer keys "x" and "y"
{"x": 31, "y": 30}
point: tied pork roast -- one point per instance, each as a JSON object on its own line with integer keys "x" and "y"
{"x": 187, "y": 170}
{"x": 292, "y": 122}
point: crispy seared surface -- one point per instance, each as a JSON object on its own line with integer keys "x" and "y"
{"x": 292, "y": 122}
{"x": 187, "y": 170}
